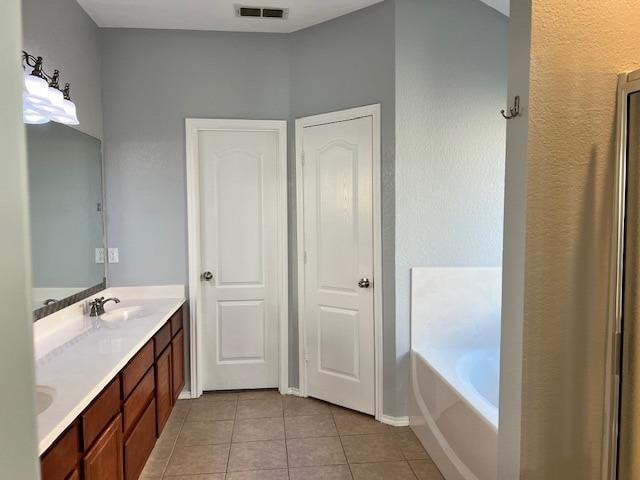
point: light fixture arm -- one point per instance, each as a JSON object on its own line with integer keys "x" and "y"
{"x": 34, "y": 62}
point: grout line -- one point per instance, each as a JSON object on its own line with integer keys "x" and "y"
{"x": 175, "y": 442}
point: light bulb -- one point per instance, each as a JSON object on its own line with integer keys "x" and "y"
{"x": 68, "y": 115}
{"x": 37, "y": 88}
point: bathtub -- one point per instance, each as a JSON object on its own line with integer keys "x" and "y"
{"x": 455, "y": 409}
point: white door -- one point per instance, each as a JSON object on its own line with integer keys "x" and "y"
{"x": 338, "y": 274}
{"x": 238, "y": 244}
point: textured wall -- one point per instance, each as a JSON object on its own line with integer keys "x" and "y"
{"x": 63, "y": 34}
{"x": 18, "y": 453}
{"x": 343, "y": 63}
{"x": 577, "y": 48}
{"x": 451, "y": 81}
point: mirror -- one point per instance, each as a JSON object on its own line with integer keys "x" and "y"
{"x": 67, "y": 224}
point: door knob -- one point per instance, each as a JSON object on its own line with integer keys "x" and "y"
{"x": 207, "y": 276}
{"x": 364, "y": 283}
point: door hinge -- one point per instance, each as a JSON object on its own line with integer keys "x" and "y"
{"x": 306, "y": 356}
{"x": 302, "y": 155}
{"x": 304, "y": 257}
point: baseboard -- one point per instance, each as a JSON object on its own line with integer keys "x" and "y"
{"x": 184, "y": 395}
{"x": 394, "y": 421}
{"x": 293, "y": 391}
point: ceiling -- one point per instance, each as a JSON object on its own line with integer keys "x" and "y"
{"x": 220, "y": 14}
{"x": 215, "y": 14}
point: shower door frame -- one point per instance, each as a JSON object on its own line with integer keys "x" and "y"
{"x": 628, "y": 83}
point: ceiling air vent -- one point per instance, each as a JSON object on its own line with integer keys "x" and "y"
{"x": 261, "y": 12}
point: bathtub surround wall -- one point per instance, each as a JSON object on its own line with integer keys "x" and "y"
{"x": 350, "y": 62}
{"x": 451, "y": 81}
{"x": 18, "y": 454}
{"x": 577, "y": 50}
{"x": 66, "y": 37}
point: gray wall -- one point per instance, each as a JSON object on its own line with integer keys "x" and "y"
{"x": 451, "y": 80}
{"x": 153, "y": 80}
{"x": 63, "y": 34}
{"x": 350, "y": 62}
{"x": 18, "y": 453}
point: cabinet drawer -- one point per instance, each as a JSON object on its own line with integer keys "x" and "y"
{"x": 176, "y": 322}
{"x": 136, "y": 369}
{"x": 104, "y": 460}
{"x": 100, "y": 412}
{"x": 177, "y": 364}
{"x": 162, "y": 338}
{"x": 135, "y": 405}
{"x": 63, "y": 457}
{"x": 139, "y": 445}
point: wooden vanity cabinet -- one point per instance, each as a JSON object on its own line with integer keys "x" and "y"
{"x": 114, "y": 436}
{"x": 104, "y": 461}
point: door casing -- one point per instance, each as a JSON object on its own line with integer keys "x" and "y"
{"x": 333, "y": 117}
{"x": 192, "y": 128}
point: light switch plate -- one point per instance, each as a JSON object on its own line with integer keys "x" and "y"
{"x": 114, "y": 256}
{"x": 99, "y": 255}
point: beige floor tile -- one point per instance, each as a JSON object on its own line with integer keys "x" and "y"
{"x": 158, "y": 460}
{"x": 209, "y": 411}
{"x": 353, "y": 423}
{"x": 259, "y": 395}
{"x": 425, "y": 470}
{"x": 280, "y": 474}
{"x": 255, "y": 429}
{"x": 306, "y": 452}
{"x": 382, "y": 471}
{"x": 207, "y": 476}
{"x": 271, "y": 407}
{"x": 265, "y": 455}
{"x": 297, "y": 406}
{"x": 197, "y": 459}
{"x": 215, "y": 396}
{"x": 310, "y": 426}
{"x": 205, "y": 433}
{"x": 326, "y": 472}
{"x": 371, "y": 448}
{"x": 409, "y": 444}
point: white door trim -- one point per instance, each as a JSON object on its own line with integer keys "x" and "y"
{"x": 192, "y": 127}
{"x": 333, "y": 117}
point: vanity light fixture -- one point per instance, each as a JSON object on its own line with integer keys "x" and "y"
{"x": 42, "y": 99}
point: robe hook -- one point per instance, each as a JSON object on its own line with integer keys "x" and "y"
{"x": 513, "y": 111}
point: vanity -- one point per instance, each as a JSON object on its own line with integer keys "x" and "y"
{"x": 106, "y": 379}
{"x": 107, "y": 384}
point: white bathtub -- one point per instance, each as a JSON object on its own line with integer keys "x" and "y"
{"x": 455, "y": 410}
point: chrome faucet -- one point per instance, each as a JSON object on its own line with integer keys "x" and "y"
{"x": 97, "y": 306}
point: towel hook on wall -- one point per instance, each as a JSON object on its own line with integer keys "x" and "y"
{"x": 513, "y": 111}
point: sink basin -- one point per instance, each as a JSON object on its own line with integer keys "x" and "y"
{"x": 119, "y": 315}
{"x": 44, "y": 398}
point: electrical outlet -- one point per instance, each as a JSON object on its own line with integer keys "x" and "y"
{"x": 114, "y": 256}
{"x": 99, "y": 255}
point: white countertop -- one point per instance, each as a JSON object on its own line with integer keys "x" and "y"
{"x": 77, "y": 355}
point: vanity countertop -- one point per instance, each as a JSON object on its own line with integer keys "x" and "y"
{"x": 77, "y": 355}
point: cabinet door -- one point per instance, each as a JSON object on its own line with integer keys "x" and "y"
{"x": 164, "y": 393}
{"x": 140, "y": 443}
{"x": 177, "y": 354}
{"x": 104, "y": 460}
{"x": 75, "y": 475}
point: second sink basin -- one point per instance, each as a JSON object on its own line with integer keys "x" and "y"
{"x": 44, "y": 398}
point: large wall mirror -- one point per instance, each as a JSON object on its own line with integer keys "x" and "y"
{"x": 66, "y": 211}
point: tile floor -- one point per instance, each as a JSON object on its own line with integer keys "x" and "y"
{"x": 261, "y": 435}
